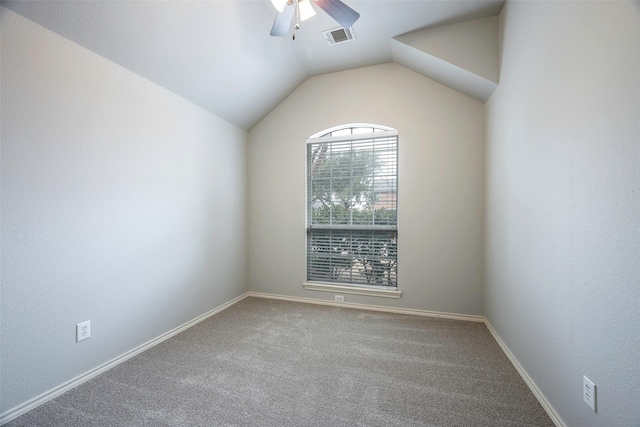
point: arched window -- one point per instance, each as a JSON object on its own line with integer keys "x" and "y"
{"x": 352, "y": 129}
{"x": 352, "y": 188}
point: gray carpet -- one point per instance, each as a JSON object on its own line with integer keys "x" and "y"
{"x": 276, "y": 363}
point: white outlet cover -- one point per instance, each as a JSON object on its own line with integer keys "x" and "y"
{"x": 589, "y": 393}
{"x": 339, "y": 298}
{"x": 83, "y": 331}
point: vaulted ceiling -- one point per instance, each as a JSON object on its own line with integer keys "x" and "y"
{"x": 219, "y": 54}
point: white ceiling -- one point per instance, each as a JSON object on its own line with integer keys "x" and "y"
{"x": 219, "y": 55}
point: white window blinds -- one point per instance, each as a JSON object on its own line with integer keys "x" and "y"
{"x": 352, "y": 188}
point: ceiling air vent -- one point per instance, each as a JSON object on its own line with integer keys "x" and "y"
{"x": 339, "y": 35}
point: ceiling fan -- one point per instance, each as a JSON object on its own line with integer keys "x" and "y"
{"x": 300, "y": 10}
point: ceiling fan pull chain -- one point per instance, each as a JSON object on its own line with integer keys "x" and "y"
{"x": 297, "y": 12}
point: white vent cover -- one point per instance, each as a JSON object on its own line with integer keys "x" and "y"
{"x": 339, "y": 35}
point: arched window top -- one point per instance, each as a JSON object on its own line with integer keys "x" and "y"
{"x": 351, "y": 129}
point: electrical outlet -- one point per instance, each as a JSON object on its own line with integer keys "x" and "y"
{"x": 589, "y": 393}
{"x": 83, "y": 330}
{"x": 339, "y": 298}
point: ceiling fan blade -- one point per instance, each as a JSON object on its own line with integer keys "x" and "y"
{"x": 283, "y": 21}
{"x": 340, "y": 12}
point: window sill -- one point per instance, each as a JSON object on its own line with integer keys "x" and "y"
{"x": 352, "y": 289}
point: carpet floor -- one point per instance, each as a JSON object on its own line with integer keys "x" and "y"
{"x": 275, "y": 363}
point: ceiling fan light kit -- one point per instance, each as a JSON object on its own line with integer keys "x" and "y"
{"x": 279, "y": 4}
{"x": 301, "y": 10}
{"x": 306, "y": 10}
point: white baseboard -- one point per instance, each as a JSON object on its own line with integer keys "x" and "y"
{"x": 546, "y": 405}
{"x": 21, "y": 409}
{"x": 29, "y": 405}
{"x": 412, "y": 311}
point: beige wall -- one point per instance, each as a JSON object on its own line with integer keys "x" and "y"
{"x": 122, "y": 204}
{"x": 563, "y": 203}
{"x": 440, "y": 184}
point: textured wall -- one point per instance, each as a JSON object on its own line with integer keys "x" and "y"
{"x": 563, "y": 203}
{"x": 122, "y": 204}
{"x": 440, "y": 184}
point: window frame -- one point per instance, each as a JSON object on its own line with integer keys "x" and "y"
{"x": 378, "y": 131}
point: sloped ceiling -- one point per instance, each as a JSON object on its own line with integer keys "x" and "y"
{"x": 219, "y": 55}
{"x": 463, "y": 56}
